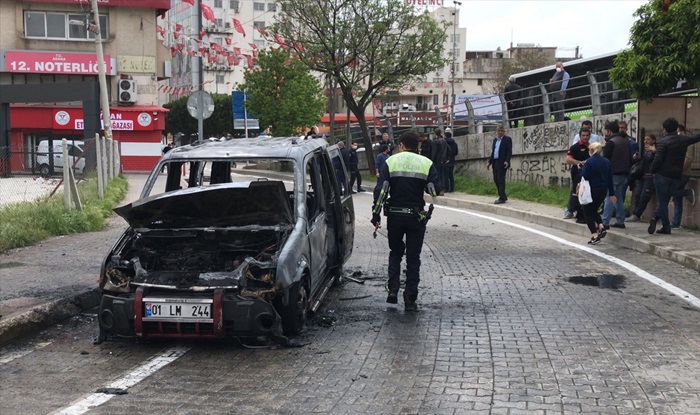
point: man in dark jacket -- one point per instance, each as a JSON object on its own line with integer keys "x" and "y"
{"x": 448, "y": 173}
{"x": 501, "y": 151}
{"x": 439, "y": 153}
{"x": 512, "y": 94}
{"x": 354, "y": 169}
{"x": 617, "y": 150}
{"x": 667, "y": 168}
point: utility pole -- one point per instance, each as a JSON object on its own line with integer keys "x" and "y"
{"x": 101, "y": 75}
{"x": 454, "y": 59}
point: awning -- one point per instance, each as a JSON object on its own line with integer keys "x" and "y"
{"x": 326, "y": 118}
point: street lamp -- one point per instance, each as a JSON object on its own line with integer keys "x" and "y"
{"x": 454, "y": 58}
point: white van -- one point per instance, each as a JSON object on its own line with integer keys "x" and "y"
{"x": 75, "y": 151}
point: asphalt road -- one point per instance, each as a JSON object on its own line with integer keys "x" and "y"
{"x": 507, "y": 324}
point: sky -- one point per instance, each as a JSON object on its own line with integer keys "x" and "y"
{"x": 597, "y": 27}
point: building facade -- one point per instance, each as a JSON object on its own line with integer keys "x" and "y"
{"x": 47, "y": 42}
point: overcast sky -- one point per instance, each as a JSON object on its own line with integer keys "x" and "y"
{"x": 596, "y": 26}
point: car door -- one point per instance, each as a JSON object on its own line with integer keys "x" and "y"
{"x": 346, "y": 237}
{"x": 317, "y": 218}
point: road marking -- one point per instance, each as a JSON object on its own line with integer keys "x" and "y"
{"x": 22, "y": 352}
{"x": 125, "y": 382}
{"x": 693, "y": 300}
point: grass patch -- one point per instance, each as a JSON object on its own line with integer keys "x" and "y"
{"x": 26, "y": 223}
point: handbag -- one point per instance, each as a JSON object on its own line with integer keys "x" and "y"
{"x": 584, "y": 192}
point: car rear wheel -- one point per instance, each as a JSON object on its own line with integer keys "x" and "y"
{"x": 44, "y": 170}
{"x": 294, "y": 314}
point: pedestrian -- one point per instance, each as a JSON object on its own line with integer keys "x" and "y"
{"x": 645, "y": 187}
{"x": 387, "y": 142}
{"x": 587, "y": 125}
{"x": 340, "y": 171}
{"x": 403, "y": 179}
{"x": 557, "y": 88}
{"x": 575, "y": 157}
{"x": 598, "y": 172}
{"x": 682, "y": 192}
{"x": 439, "y": 153}
{"x": 667, "y": 169}
{"x": 354, "y": 169}
{"x": 381, "y": 159}
{"x": 617, "y": 150}
{"x": 426, "y": 145}
{"x": 513, "y": 96}
{"x": 501, "y": 151}
{"x": 449, "y": 170}
{"x": 312, "y": 133}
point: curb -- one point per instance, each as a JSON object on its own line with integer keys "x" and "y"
{"x": 46, "y": 315}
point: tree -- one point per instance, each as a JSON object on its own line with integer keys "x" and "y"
{"x": 665, "y": 46}
{"x": 364, "y": 46}
{"x": 282, "y": 93}
{"x": 220, "y": 123}
{"x": 525, "y": 61}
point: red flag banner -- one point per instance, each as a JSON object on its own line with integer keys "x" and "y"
{"x": 298, "y": 47}
{"x": 228, "y": 40}
{"x": 207, "y": 13}
{"x": 280, "y": 41}
{"x": 202, "y": 33}
{"x": 253, "y": 46}
{"x": 238, "y": 26}
{"x": 188, "y": 2}
{"x": 237, "y": 51}
{"x": 250, "y": 60}
{"x": 160, "y": 30}
{"x": 261, "y": 30}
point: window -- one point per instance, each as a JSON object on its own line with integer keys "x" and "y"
{"x": 235, "y": 5}
{"x": 259, "y": 43}
{"x": 218, "y": 3}
{"x": 259, "y": 7}
{"x": 259, "y": 25}
{"x": 479, "y": 82}
{"x": 220, "y": 79}
{"x": 55, "y": 25}
{"x": 271, "y": 7}
{"x": 435, "y": 100}
{"x": 436, "y": 80}
{"x": 219, "y": 23}
{"x": 454, "y": 38}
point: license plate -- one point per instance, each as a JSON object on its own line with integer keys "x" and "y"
{"x": 177, "y": 309}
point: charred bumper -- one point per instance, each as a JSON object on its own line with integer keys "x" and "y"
{"x": 224, "y": 314}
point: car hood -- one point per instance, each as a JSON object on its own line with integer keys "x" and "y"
{"x": 257, "y": 203}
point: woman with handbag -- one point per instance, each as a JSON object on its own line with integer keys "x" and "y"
{"x": 597, "y": 171}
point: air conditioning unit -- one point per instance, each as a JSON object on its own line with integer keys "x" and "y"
{"x": 228, "y": 25}
{"x": 127, "y": 92}
{"x": 236, "y": 10}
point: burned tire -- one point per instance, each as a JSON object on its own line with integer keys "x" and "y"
{"x": 294, "y": 314}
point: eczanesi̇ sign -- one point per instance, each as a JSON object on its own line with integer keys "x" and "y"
{"x": 72, "y": 119}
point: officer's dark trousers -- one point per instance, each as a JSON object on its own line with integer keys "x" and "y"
{"x": 397, "y": 227}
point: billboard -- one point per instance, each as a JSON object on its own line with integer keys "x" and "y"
{"x": 486, "y": 107}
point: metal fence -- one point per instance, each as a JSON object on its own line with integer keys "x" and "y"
{"x": 36, "y": 167}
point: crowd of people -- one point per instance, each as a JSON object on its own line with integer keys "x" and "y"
{"x": 616, "y": 166}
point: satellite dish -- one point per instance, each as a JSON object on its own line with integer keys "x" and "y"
{"x": 203, "y": 100}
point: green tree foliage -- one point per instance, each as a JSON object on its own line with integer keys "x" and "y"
{"x": 665, "y": 48}
{"x": 178, "y": 120}
{"x": 363, "y": 46}
{"x": 282, "y": 93}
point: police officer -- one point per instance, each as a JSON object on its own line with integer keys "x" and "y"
{"x": 403, "y": 179}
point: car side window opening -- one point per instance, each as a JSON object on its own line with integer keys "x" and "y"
{"x": 312, "y": 190}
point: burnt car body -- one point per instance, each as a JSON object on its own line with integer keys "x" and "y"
{"x": 241, "y": 238}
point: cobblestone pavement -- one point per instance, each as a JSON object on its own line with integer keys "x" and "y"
{"x": 501, "y": 329}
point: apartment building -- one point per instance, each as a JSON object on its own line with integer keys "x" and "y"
{"x": 46, "y": 42}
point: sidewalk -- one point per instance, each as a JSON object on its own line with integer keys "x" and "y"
{"x": 56, "y": 279}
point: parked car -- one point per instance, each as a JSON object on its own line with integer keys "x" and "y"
{"x": 214, "y": 250}
{"x": 50, "y": 159}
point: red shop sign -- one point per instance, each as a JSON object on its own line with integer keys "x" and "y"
{"x": 54, "y": 62}
{"x": 72, "y": 119}
{"x": 149, "y": 4}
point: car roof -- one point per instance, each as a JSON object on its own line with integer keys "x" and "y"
{"x": 260, "y": 147}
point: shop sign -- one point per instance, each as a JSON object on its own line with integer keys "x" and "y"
{"x": 72, "y": 119}
{"x": 54, "y": 62}
{"x": 149, "y": 4}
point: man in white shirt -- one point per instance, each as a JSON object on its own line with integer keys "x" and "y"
{"x": 587, "y": 125}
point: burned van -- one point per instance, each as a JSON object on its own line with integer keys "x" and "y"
{"x": 240, "y": 238}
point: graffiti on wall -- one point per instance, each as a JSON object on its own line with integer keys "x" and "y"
{"x": 545, "y": 137}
